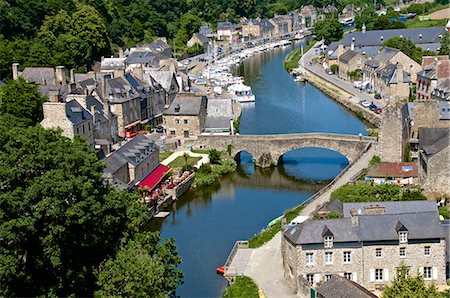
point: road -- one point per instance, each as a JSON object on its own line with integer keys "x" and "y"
{"x": 318, "y": 70}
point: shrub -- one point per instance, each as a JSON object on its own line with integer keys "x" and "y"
{"x": 205, "y": 169}
{"x": 214, "y": 156}
{"x": 375, "y": 160}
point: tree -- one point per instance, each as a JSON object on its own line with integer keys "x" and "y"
{"x": 22, "y": 100}
{"x": 58, "y": 218}
{"x": 445, "y": 44}
{"x": 144, "y": 267}
{"x": 407, "y": 285}
{"x": 214, "y": 156}
{"x": 406, "y": 46}
{"x": 329, "y": 30}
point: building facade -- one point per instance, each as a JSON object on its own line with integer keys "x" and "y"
{"x": 350, "y": 61}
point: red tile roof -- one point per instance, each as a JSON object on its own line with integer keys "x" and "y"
{"x": 393, "y": 169}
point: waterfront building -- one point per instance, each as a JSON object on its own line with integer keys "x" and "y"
{"x": 251, "y": 28}
{"x": 185, "y": 117}
{"x": 228, "y": 33}
{"x": 282, "y": 24}
{"x": 350, "y": 61}
{"x": 433, "y": 77}
{"x": 309, "y": 16}
{"x": 267, "y": 28}
{"x": 367, "y": 246}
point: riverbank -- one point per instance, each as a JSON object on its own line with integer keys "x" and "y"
{"x": 292, "y": 60}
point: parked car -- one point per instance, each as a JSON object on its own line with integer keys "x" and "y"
{"x": 364, "y": 103}
{"x": 377, "y": 96}
{"x": 329, "y": 71}
{"x": 159, "y": 128}
{"x": 378, "y": 111}
{"x": 373, "y": 107}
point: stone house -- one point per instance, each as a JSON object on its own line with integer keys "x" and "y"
{"x": 251, "y": 28}
{"x": 392, "y": 82}
{"x": 167, "y": 80}
{"x": 436, "y": 70}
{"x": 228, "y": 32}
{"x": 309, "y": 16}
{"x": 350, "y": 61}
{"x": 282, "y": 24}
{"x": 185, "y": 118}
{"x": 132, "y": 162}
{"x": 367, "y": 247}
{"x": 69, "y": 116}
{"x": 267, "y": 28}
{"x": 341, "y": 287}
{"x": 198, "y": 39}
{"x": 434, "y": 160}
{"x": 116, "y": 66}
{"x": 159, "y": 46}
{"x": 393, "y": 173}
{"x": 143, "y": 58}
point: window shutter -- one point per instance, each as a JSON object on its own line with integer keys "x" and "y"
{"x": 372, "y": 274}
{"x": 421, "y": 271}
{"x": 435, "y": 273}
{"x": 386, "y": 274}
{"x": 354, "y": 277}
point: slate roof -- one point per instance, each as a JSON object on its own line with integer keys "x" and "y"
{"x": 144, "y": 57}
{"x": 163, "y": 77}
{"x": 225, "y": 25}
{"x": 266, "y": 25}
{"x": 217, "y": 123}
{"x": 188, "y": 104}
{"x": 369, "y": 51}
{"x": 347, "y": 56}
{"x": 373, "y": 37}
{"x": 420, "y": 225}
{"x": 334, "y": 205}
{"x": 112, "y": 63}
{"x": 392, "y": 207}
{"x": 340, "y": 287}
{"x": 203, "y": 39}
{"x": 442, "y": 90}
{"x": 220, "y": 107}
{"x": 389, "y": 74}
{"x": 39, "y": 75}
{"x": 433, "y": 140}
{"x": 76, "y": 113}
{"x": 121, "y": 90}
{"x": 253, "y": 21}
{"x": 393, "y": 169}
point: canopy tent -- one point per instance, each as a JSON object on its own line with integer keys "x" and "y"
{"x": 155, "y": 177}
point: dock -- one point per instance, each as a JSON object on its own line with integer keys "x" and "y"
{"x": 162, "y": 214}
{"x": 237, "y": 260}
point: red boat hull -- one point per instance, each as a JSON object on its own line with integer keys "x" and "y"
{"x": 220, "y": 270}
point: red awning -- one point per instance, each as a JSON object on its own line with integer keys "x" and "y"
{"x": 155, "y": 177}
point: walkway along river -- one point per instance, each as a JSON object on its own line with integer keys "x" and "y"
{"x": 206, "y": 223}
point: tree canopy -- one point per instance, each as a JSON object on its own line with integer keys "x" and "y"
{"x": 59, "y": 220}
{"x": 328, "y": 29}
{"x": 406, "y": 46}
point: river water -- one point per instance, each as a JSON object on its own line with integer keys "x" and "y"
{"x": 206, "y": 223}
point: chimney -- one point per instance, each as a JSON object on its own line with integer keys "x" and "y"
{"x": 105, "y": 82}
{"x": 399, "y": 72}
{"x": 94, "y": 114}
{"x": 59, "y": 75}
{"x": 352, "y": 47}
{"x": 363, "y": 28}
{"x": 374, "y": 210}
{"x": 15, "y": 71}
{"x": 54, "y": 96}
{"x": 138, "y": 72}
{"x": 355, "y": 220}
{"x": 340, "y": 50}
{"x": 72, "y": 76}
{"x": 121, "y": 53}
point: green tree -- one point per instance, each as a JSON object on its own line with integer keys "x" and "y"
{"x": 214, "y": 156}
{"x": 406, "y": 46}
{"x": 21, "y": 100}
{"x": 144, "y": 267}
{"x": 328, "y": 29}
{"x": 408, "y": 285}
{"x": 58, "y": 218}
{"x": 445, "y": 44}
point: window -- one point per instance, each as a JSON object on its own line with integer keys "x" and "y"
{"x": 378, "y": 253}
{"x": 309, "y": 258}
{"x": 378, "y": 274}
{"x": 403, "y": 237}
{"x": 172, "y": 132}
{"x": 427, "y": 251}
{"x": 427, "y": 272}
{"x": 402, "y": 252}
{"x": 347, "y": 257}
{"x": 328, "y": 257}
{"x": 177, "y": 121}
{"x": 327, "y": 277}
{"x": 186, "y": 121}
{"x": 310, "y": 278}
{"x": 328, "y": 242}
{"x": 348, "y": 275}
{"x": 186, "y": 133}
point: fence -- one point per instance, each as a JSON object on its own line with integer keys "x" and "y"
{"x": 237, "y": 245}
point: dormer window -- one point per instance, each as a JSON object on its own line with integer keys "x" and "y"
{"x": 328, "y": 241}
{"x": 403, "y": 236}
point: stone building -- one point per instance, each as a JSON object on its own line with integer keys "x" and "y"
{"x": 282, "y": 24}
{"x": 267, "y": 28}
{"x": 167, "y": 80}
{"x": 366, "y": 247}
{"x": 132, "y": 162}
{"x": 309, "y": 16}
{"x": 198, "y": 39}
{"x": 391, "y": 135}
{"x": 436, "y": 70}
{"x": 350, "y": 61}
{"x": 340, "y": 287}
{"x": 227, "y": 32}
{"x": 392, "y": 82}
{"x": 185, "y": 118}
{"x": 434, "y": 160}
{"x": 251, "y": 28}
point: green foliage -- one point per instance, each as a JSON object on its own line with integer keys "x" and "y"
{"x": 21, "y": 100}
{"x": 372, "y": 132}
{"x": 181, "y": 161}
{"x": 335, "y": 68}
{"x": 236, "y": 123}
{"x": 205, "y": 169}
{"x": 375, "y": 160}
{"x": 444, "y": 212}
{"x": 215, "y": 156}
{"x": 355, "y": 74}
{"x": 164, "y": 154}
{"x": 205, "y": 177}
{"x": 445, "y": 44}
{"x": 408, "y": 284}
{"x": 292, "y": 59}
{"x": 58, "y": 219}
{"x": 406, "y": 46}
{"x": 328, "y": 29}
{"x": 242, "y": 287}
{"x": 364, "y": 192}
{"x": 229, "y": 149}
{"x": 333, "y": 214}
{"x": 406, "y": 154}
{"x": 144, "y": 267}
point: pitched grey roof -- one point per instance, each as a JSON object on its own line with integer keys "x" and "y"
{"x": 347, "y": 56}
{"x": 164, "y": 77}
{"x": 39, "y": 75}
{"x": 334, "y": 205}
{"x": 188, "y": 104}
{"x": 433, "y": 140}
{"x": 386, "y": 54}
{"x": 433, "y": 47}
{"x": 340, "y": 287}
{"x": 373, "y": 37}
{"x": 218, "y": 107}
{"x": 121, "y": 90}
{"x": 392, "y": 207}
{"x": 266, "y": 25}
{"x": 217, "y": 123}
{"x": 224, "y": 25}
{"x": 203, "y": 39}
{"x": 76, "y": 113}
{"x": 389, "y": 74}
{"x": 144, "y": 57}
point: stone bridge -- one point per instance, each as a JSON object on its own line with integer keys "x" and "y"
{"x": 267, "y": 149}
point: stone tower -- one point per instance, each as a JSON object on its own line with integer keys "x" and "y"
{"x": 391, "y": 149}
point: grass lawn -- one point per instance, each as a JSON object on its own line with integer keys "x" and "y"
{"x": 425, "y": 24}
{"x": 200, "y": 151}
{"x": 243, "y": 287}
{"x": 293, "y": 58}
{"x": 163, "y": 155}
{"x": 180, "y": 161}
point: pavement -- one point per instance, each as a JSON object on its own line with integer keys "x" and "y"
{"x": 204, "y": 158}
{"x": 318, "y": 70}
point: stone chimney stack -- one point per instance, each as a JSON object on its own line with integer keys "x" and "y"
{"x": 399, "y": 72}
{"x": 15, "y": 71}
{"x": 340, "y": 50}
{"x": 106, "y": 78}
{"x": 374, "y": 210}
{"x": 352, "y": 46}
{"x": 355, "y": 219}
{"x": 54, "y": 96}
{"x": 138, "y": 72}
{"x": 121, "y": 53}
{"x": 72, "y": 76}
{"x": 60, "y": 75}
{"x": 363, "y": 28}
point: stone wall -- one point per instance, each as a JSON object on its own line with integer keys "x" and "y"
{"x": 437, "y": 176}
{"x": 426, "y": 114}
{"x": 390, "y": 137}
{"x": 181, "y": 188}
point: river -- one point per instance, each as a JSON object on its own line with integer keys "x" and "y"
{"x": 206, "y": 223}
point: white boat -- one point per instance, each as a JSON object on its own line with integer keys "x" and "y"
{"x": 299, "y": 78}
{"x": 241, "y": 93}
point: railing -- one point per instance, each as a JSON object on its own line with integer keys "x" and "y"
{"x": 237, "y": 245}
